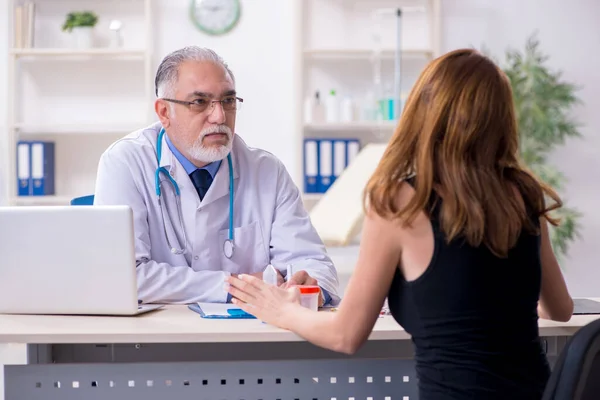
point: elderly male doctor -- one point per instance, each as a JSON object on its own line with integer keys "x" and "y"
{"x": 178, "y": 182}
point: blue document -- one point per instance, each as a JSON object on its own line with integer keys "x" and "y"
{"x": 220, "y": 311}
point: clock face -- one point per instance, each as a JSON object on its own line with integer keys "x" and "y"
{"x": 215, "y": 17}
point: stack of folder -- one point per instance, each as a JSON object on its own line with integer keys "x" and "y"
{"x": 35, "y": 168}
{"x": 325, "y": 160}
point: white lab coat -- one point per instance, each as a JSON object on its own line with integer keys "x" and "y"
{"x": 270, "y": 223}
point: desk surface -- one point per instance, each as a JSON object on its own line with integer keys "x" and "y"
{"x": 177, "y": 324}
{"x": 171, "y": 324}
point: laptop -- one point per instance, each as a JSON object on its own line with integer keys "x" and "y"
{"x": 68, "y": 260}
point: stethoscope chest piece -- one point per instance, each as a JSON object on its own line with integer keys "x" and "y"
{"x": 228, "y": 248}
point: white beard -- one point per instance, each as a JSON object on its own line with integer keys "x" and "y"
{"x": 208, "y": 154}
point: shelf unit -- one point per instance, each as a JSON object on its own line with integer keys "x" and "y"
{"x": 78, "y": 53}
{"x": 82, "y": 99}
{"x": 359, "y": 126}
{"x": 363, "y": 54}
{"x": 337, "y": 53}
{"x": 85, "y": 129}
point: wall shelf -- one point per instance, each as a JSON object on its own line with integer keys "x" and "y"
{"x": 94, "y": 129}
{"x": 351, "y": 126}
{"x": 337, "y": 54}
{"x": 364, "y": 54}
{"x": 77, "y": 53}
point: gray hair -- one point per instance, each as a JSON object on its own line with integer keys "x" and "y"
{"x": 167, "y": 73}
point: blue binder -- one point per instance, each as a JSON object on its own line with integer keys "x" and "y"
{"x": 325, "y": 160}
{"x": 344, "y": 151}
{"x": 24, "y": 169}
{"x": 42, "y": 168}
{"x": 311, "y": 165}
{"x": 325, "y": 155}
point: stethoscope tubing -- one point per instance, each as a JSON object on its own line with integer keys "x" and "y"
{"x": 159, "y": 170}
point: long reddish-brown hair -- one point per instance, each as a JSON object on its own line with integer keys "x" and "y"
{"x": 458, "y": 135}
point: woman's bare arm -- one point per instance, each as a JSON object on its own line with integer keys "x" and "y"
{"x": 555, "y": 301}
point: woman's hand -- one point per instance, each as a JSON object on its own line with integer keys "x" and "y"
{"x": 302, "y": 278}
{"x": 271, "y": 304}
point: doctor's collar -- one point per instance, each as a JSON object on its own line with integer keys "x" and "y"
{"x": 187, "y": 165}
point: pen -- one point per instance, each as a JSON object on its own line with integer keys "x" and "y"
{"x": 288, "y": 275}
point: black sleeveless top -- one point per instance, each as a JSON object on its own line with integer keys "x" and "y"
{"x": 473, "y": 320}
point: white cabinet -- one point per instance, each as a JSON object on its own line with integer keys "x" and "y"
{"x": 80, "y": 98}
{"x": 350, "y": 47}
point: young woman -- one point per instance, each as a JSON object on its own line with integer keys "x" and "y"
{"x": 456, "y": 236}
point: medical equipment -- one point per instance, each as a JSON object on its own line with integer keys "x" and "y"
{"x": 377, "y": 17}
{"x": 229, "y": 244}
{"x": 309, "y": 297}
{"x": 270, "y": 275}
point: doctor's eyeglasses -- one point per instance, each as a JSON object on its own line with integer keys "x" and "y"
{"x": 230, "y": 103}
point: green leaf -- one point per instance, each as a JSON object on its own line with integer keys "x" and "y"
{"x": 566, "y": 232}
{"x": 543, "y": 104}
{"x": 81, "y": 18}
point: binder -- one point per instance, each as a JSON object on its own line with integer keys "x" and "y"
{"x": 352, "y": 150}
{"x": 339, "y": 157}
{"x": 42, "y": 168}
{"x": 311, "y": 166}
{"x": 325, "y": 160}
{"x": 24, "y": 169}
{"x": 325, "y": 165}
{"x": 344, "y": 151}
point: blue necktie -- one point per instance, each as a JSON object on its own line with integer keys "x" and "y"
{"x": 201, "y": 179}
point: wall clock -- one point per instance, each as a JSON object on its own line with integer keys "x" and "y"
{"x": 215, "y": 17}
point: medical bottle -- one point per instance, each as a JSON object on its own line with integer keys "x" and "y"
{"x": 270, "y": 275}
{"x": 332, "y": 108}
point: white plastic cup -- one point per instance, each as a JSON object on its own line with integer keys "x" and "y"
{"x": 309, "y": 297}
{"x": 270, "y": 275}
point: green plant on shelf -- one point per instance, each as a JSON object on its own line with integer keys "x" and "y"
{"x": 79, "y": 19}
{"x": 543, "y": 103}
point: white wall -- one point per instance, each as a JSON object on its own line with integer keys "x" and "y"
{"x": 569, "y": 33}
{"x": 3, "y": 72}
{"x": 269, "y": 28}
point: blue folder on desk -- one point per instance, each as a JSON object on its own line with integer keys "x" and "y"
{"x": 220, "y": 311}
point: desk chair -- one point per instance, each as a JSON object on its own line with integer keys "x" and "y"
{"x": 83, "y": 201}
{"x": 576, "y": 375}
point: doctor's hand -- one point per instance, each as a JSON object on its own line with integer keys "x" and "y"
{"x": 302, "y": 278}
{"x": 271, "y": 304}
{"x": 259, "y": 275}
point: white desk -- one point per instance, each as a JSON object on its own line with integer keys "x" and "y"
{"x": 171, "y": 324}
{"x": 214, "y": 356}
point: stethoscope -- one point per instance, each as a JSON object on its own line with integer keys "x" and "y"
{"x": 228, "y": 245}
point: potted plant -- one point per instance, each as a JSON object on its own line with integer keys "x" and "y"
{"x": 543, "y": 103}
{"x": 81, "y": 25}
